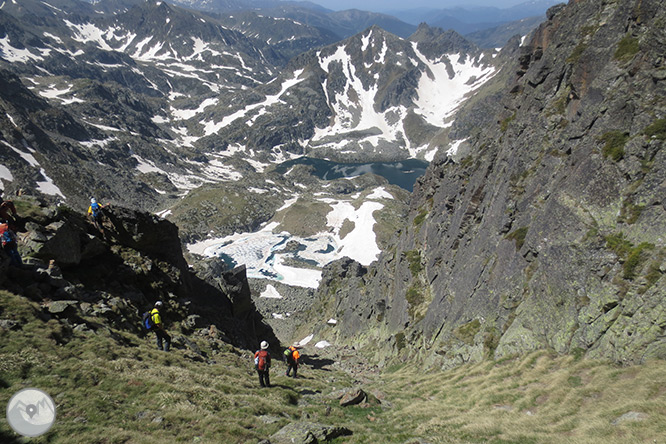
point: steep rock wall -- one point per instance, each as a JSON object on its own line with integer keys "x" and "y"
{"x": 551, "y": 232}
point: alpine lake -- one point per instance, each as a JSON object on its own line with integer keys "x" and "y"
{"x": 402, "y": 173}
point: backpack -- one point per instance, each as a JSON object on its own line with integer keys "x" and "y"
{"x": 147, "y": 321}
{"x": 289, "y": 354}
{"x": 262, "y": 360}
{"x": 6, "y": 235}
{"x": 95, "y": 209}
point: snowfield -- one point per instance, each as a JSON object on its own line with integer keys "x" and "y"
{"x": 262, "y": 252}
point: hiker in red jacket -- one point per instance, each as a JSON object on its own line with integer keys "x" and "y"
{"x": 262, "y": 362}
{"x": 8, "y": 212}
{"x": 10, "y": 244}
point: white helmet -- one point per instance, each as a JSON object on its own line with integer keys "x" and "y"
{"x": 264, "y": 345}
{"x": 158, "y": 304}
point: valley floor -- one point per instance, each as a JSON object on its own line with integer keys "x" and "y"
{"x": 111, "y": 386}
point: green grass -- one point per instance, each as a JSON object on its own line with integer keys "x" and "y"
{"x": 414, "y": 295}
{"x": 577, "y": 53}
{"x": 414, "y": 259}
{"x": 619, "y": 244}
{"x": 657, "y": 129}
{"x": 420, "y": 218}
{"x": 468, "y": 331}
{"x": 632, "y": 256}
{"x": 114, "y": 387}
{"x": 541, "y": 398}
{"x": 614, "y": 142}
{"x": 518, "y": 236}
{"x": 627, "y": 48}
{"x": 504, "y": 124}
{"x": 635, "y": 259}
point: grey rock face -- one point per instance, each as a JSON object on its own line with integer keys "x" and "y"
{"x": 550, "y": 233}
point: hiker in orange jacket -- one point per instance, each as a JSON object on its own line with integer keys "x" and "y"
{"x": 293, "y": 355}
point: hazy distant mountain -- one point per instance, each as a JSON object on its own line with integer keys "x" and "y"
{"x": 341, "y": 23}
{"x": 498, "y": 36}
{"x": 470, "y": 19}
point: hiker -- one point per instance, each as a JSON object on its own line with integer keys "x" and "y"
{"x": 262, "y": 362}
{"x": 292, "y": 356}
{"x": 8, "y": 211}
{"x": 158, "y": 326}
{"x": 10, "y": 244}
{"x": 95, "y": 213}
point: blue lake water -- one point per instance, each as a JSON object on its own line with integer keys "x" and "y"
{"x": 403, "y": 173}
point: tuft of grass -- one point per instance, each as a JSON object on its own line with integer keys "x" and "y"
{"x": 468, "y": 331}
{"x": 414, "y": 259}
{"x": 627, "y": 48}
{"x": 518, "y": 236}
{"x": 414, "y": 295}
{"x": 577, "y": 52}
{"x": 400, "y": 340}
{"x": 630, "y": 212}
{"x": 635, "y": 259}
{"x": 633, "y": 256}
{"x": 504, "y": 124}
{"x": 619, "y": 244}
{"x": 614, "y": 142}
{"x": 657, "y": 129}
{"x": 653, "y": 275}
{"x": 420, "y": 218}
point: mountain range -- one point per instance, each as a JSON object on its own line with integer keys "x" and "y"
{"x": 155, "y": 100}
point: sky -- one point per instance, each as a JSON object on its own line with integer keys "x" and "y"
{"x": 393, "y": 5}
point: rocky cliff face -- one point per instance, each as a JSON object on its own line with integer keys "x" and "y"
{"x": 548, "y": 232}
{"x": 78, "y": 273}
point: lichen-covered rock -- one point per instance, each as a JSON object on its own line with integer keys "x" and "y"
{"x": 353, "y": 397}
{"x": 308, "y": 433}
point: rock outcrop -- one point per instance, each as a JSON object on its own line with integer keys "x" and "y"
{"x": 77, "y": 272}
{"x": 549, "y": 233}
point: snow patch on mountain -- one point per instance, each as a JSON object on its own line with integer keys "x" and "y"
{"x": 5, "y": 174}
{"x": 211, "y": 127}
{"x": 55, "y": 93}
{"x": 46, "y": 186}
{"x": 440, "y": 95}
{"x": 13, "y": 54}
{"x": 184, "y": 114}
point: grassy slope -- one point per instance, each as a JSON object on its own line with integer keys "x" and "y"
{"x": 114, "y": 387}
